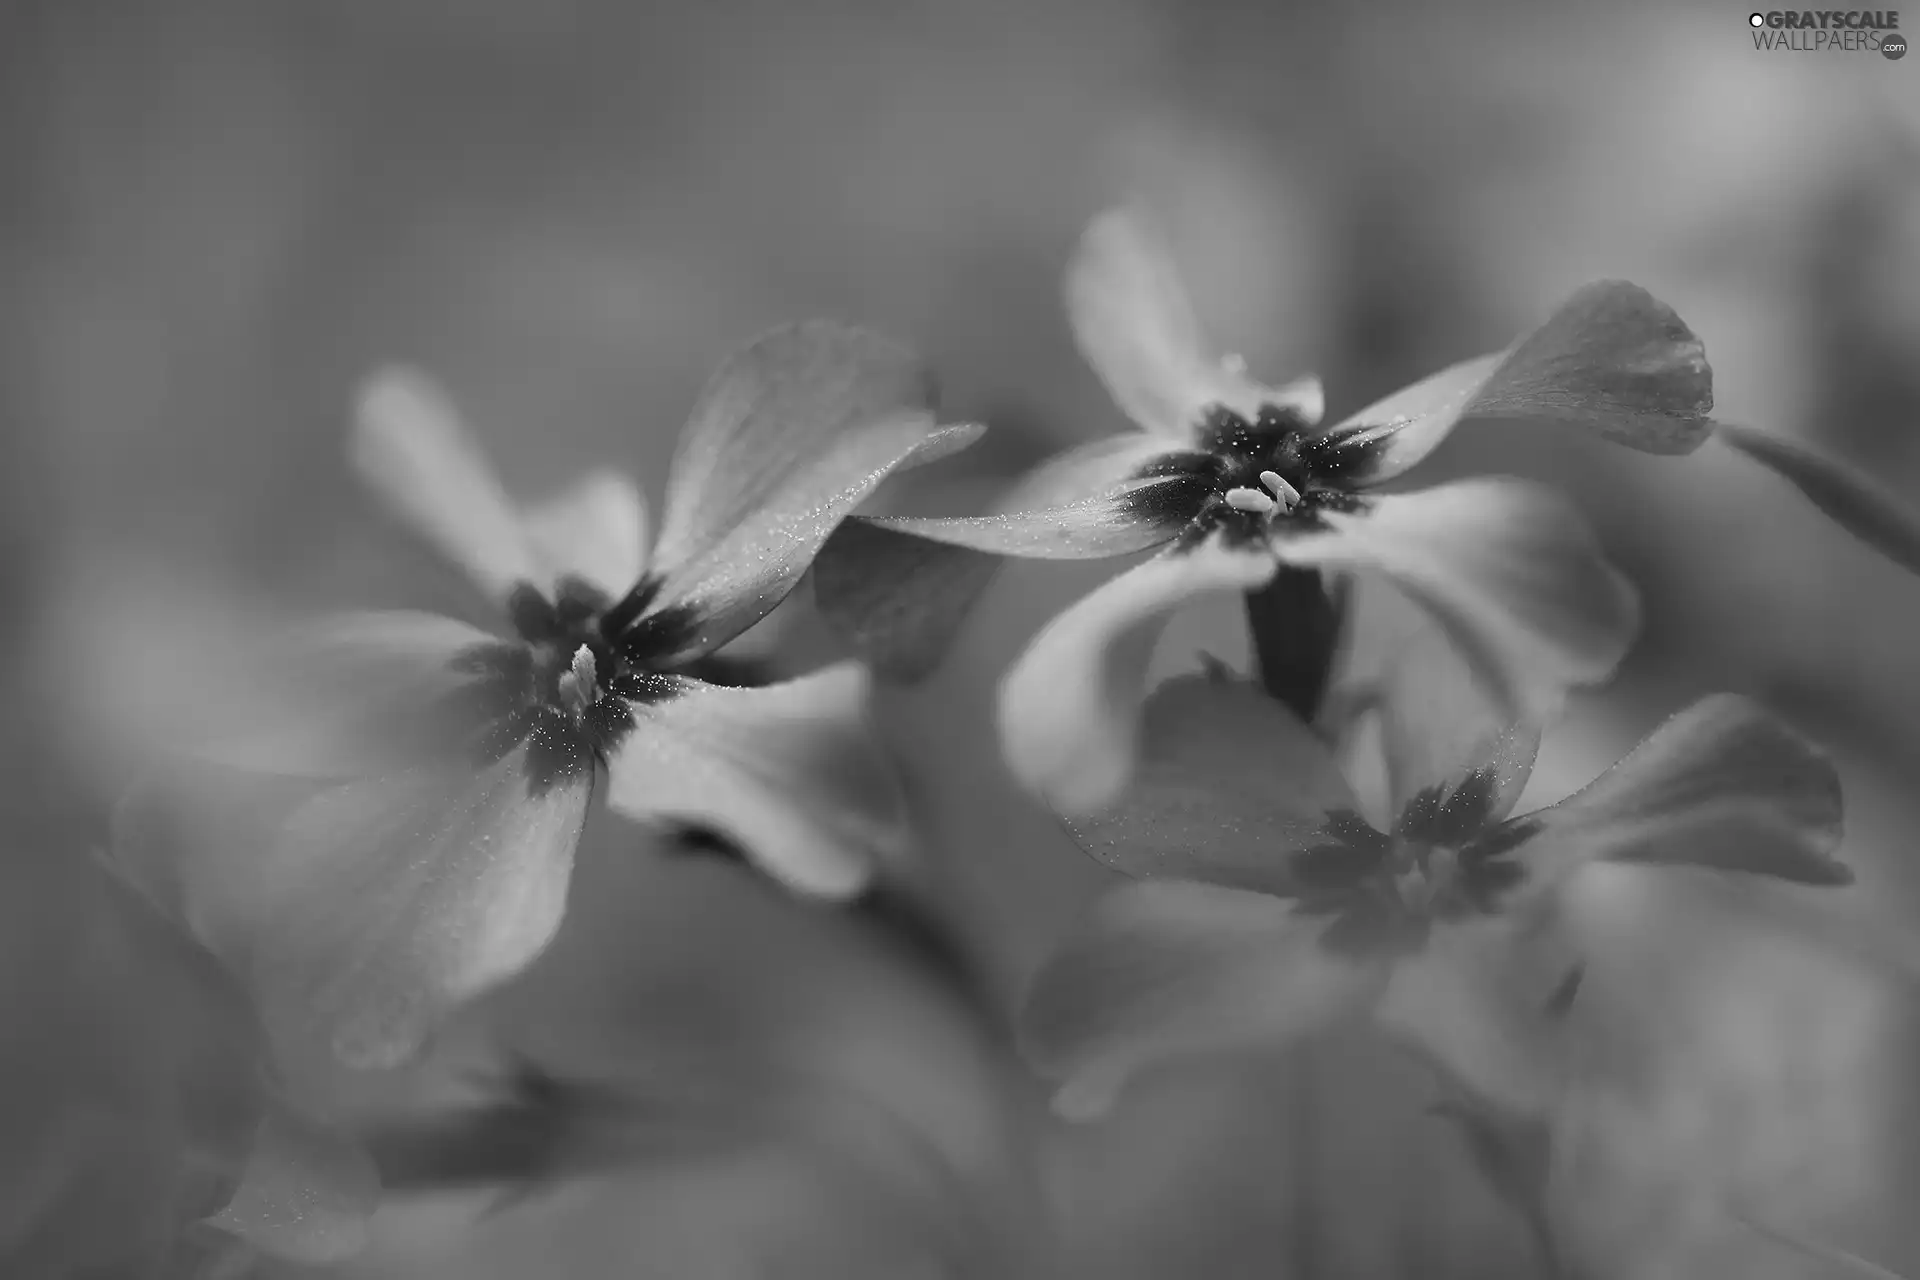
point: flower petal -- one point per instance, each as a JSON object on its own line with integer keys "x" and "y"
{"x": 791, "y": 434}
{"x": 1832, "y": 1259}
{"x": 595, "y": 530}
{"x": 1161, "y": 970}
{"x": 1480, "y": 1000}
{"x": 1109, "y": 498}
{"x": 789, "y": 771}
{"x": 1454, "y": 762}
{"x": 1135, "y": 326}
{"x": 1070, "y": 706}
{"x": 1098, "y": 469}
{"x": 131, "y": 1084}
{"x": 1231, "y": 789}
{"x": 1722, "y": 784}
{"x": 1146, "y": 514}
{"x": 357, "y": 694}
{"x": 897, "y": 589}
{"x": 1508, "y": 569}
{"x": 363, "y": 909}
{"x": 405, "y": 895}
{"x": 1613, "y": 359}
{"x": 412, "y": 448}
{"x": 896, "y": 599}
{"x": 1857, "y": 504}
{"x": 307, "y": 1194}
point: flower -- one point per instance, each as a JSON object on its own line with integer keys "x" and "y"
{"x": 1264, "y": 904}
{"x": 429, "y": 781}
{"x": 1241, "y": 487}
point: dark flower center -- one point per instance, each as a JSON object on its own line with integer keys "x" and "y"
{"x": 567, "y": 687}
{"x": 1259, "y": 478}
{"x": 1442, "y": 861}
{"x": 1278, "y": 442}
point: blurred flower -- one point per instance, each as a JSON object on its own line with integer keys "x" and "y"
{"x": 144, "y": 1128}
{"x": 1266, "y": 904}
{"x": 1240, "y": 483}
{"x": 428, "y": 782}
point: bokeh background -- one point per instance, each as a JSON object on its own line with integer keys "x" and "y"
{"x": 218, "y": 215}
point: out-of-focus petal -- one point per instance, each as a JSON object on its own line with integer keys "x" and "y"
{"x": 1722, "y": 784}
{"x": 179, "y": 670}
{"x": 1483, "y": 1006}
{"x": 1136, "y": 327}
{"x": 356, "y": 694}
{"x": 307, "y": 1193}
{"x": 401, "y": 896}
{"x": 1160, "y": 970}
{"x": 897, "y": 600}
{"x": 412, "y": 448}
{"x": 1613, "y": 360}
{"x": 132, "y": 1082}
{"x": 1510, "y": 571}
{"x": 594, "y": 530}
{"x": 1831, "y": 1259}
{"x": 1440, "y": 730}
{"x": 1070, "y": 706}
{"x": 364, "y": 909}
{"x": 791, "y": 434}
{"x": 789, "y": 771}
{"x": 1854, "y": 502}
{"x": 1233, "y": 790}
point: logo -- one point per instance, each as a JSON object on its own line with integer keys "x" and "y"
{"x": 1829, "y": 31}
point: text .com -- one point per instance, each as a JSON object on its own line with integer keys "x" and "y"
{"x": 1837, "y": 30}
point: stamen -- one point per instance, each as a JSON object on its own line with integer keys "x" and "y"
{"x": 1288, "y": 495}
{"x": 579, "y": 683}
{"x": 1244, "y": 499}
{"x": 1234, "y": 364}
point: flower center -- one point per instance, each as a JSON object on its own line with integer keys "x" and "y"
{"x": 578, "y": 686}
{"x": 575, "y": 667}
{"x": 1284, "y": 497}
{"x": 1424, "y": 878}
{"x": 565, "y": 690}
{"x": 1268, "y": 474}
{"x": 1382, "y": 893}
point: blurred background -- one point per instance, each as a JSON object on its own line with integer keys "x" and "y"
{"x": 218, "y": 214}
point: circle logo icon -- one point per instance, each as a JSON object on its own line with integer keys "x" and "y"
{"x": 1756, "y": 19}
{"x": 1893, "y": 46}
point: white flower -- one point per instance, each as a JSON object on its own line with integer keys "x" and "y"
{"x": 429, "y": 781}
{"x": 1239, "y": 482}
{"x": 1264, "y": 904}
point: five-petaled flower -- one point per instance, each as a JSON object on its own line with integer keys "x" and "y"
{"x": 1264, "y": 904}
{"x": 1239, "y": 482}
{"x": 433, "y": 779}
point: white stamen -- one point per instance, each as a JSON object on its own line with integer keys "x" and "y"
{"x": 1288, "y": 495}
{"x": 1234, "y": 364}
{"x": 1249, "y": 500}
{"x": 579, "y": 682}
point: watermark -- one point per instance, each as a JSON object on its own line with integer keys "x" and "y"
{"x": 1829, "y": 31}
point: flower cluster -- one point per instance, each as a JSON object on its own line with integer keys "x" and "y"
{"x": 431, "y": 779}
{"x": 413, "y": 788}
